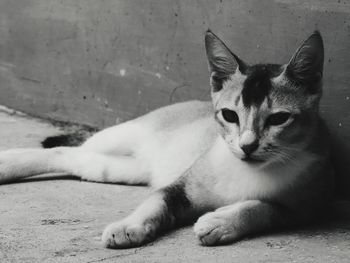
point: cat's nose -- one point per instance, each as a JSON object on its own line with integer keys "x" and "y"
{"x": 248, "y": 142}
{"x": 249, "y": 148}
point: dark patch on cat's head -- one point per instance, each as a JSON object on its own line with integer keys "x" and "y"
{"x": 258, "y": 83}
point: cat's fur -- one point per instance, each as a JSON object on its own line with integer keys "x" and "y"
{"x": 254, "y": 159}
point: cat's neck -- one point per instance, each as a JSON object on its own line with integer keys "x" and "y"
{"x": 231, "y": 179}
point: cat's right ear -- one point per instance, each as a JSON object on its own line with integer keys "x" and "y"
{"x": 222, "y": 62}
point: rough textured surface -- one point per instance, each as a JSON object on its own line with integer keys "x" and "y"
{"x": 62, "y": 220}
{"x": 93, "y": 62}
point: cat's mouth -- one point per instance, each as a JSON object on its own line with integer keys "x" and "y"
{"x": 251, "y": 160}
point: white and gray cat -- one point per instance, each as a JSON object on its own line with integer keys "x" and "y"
{"x": 255, "y": 158}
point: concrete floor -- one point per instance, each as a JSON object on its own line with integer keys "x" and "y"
{"x": 62, "y": 220}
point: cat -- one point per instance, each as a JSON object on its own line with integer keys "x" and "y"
{"x": 253, "y": 159}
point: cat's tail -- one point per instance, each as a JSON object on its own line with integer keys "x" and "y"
{"x": 69, "y": 139}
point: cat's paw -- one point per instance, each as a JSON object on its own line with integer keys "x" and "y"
{"x": 212, "y": 229}
{"x": 13, "y": 164}
{"x": 124, "y": 234}
{"x": 7, "y": 166}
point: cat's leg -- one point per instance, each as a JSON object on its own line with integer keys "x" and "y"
{"x": 77, "y": 161}
{"x": 164, "y": 209}
{"x": 177, "y": 203}
{"x": 233, "y": 222}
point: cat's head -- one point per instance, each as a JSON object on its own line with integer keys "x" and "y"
{"x": 266, "y": 112}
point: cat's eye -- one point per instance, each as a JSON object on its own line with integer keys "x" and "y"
{"x": 278, "y": 118}
{"x": 230, "y": 116}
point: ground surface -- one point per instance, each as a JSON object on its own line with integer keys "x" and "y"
{"x": 62, "y": 220}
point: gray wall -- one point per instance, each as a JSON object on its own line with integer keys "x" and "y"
{"x": 93, "y": 62}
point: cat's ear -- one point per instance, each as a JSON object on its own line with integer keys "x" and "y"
{"x": 306, "y": 65}
{"x": 222, "y": 62}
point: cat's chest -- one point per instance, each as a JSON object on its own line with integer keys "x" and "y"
{"x": 231, "y": 179}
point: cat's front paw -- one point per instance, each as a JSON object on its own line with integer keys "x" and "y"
{"x": 213, "y": 229}
{"x": 125, "y": 234}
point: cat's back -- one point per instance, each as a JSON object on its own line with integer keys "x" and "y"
{"x": 163, "y": 122}
{"x": 176, "y": 115}
{"x": 167, "y": 140}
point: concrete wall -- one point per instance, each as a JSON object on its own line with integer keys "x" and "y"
{"x": 93, "y": 62}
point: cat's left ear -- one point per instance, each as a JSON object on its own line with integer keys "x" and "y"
{"x": 306, "y": 65}
{"x": 222, "y": 62}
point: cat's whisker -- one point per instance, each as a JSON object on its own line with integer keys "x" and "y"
{"x": 282, "y": 156}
